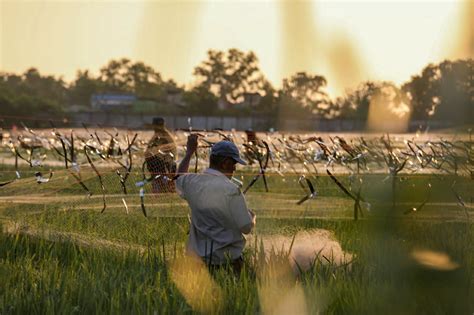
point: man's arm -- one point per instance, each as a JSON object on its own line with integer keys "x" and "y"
{"x": 246, "y": 229}
{"x": 244, "y": 217}
{"x": 191, "y": 147}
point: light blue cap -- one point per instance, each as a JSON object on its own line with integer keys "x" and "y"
{"x": 228, "y": 149}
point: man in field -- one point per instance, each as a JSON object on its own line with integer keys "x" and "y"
{"x": 160, "y": 157}
{"x": 219, "y": 213}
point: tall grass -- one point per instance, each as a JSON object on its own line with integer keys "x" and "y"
{"x": 64, "y": 257}
{"x": 44, "y": 276}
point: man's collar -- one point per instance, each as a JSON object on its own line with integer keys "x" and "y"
{"x": 212, "y": 171}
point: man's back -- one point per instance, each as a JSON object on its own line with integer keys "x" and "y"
{"x": 160, "y": 157}
{"x": 218, "y": 213}
{"x": 163, "y": 141}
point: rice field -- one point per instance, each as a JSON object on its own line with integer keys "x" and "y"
{"x": 368, "y": 241}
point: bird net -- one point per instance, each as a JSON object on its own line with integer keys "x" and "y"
{"x": 288, "y": 175}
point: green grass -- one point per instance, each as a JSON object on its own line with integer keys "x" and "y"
{"x": 42, "y": 276}
{"x": 61, "y": 255}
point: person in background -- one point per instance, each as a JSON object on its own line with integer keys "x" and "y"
{"x": 251, "y": 146}
{"x": 251, "y": 136}
{"x": 160, "y": 157}
{"x": 219, "y": 212}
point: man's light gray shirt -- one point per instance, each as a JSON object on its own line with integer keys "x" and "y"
{"x": 218, "y": 212}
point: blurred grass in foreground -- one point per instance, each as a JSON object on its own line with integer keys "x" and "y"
{"x": 59, "y": 255}
{"x": 58, "y": 275}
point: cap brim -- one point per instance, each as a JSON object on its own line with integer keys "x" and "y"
{"x": 240, "y": 161}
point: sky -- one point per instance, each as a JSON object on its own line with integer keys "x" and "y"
{"x": 346, "y": 41}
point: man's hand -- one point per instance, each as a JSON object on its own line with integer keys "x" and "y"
{"x": 246, "y": 229}
{"x": 191, "y": 147}
{"x": 192, "y": 144}
{"x": 253, "y": 216}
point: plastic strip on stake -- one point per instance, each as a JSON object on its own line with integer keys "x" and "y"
{"x": 142, "y": 201}
{"x": 125, "y": 205}
{"x": 99, "y": 176}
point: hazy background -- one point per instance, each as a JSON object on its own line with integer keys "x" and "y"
{"x": 347, "y": 41}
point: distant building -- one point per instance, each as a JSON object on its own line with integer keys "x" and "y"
{"x": 75, "y": 108}
{"x": 112, "y": 101}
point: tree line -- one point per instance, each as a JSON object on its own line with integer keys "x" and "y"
{"x": 441, "y": 91}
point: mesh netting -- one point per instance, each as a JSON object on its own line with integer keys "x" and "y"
{"x": 289, "y": 175}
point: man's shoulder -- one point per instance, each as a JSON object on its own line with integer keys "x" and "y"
{"x": 165, "y": 134}
{"x": 218, "y": 183}
{"x": 161, "y": 137}
{"x": 227, "y": 186}
{"x": 191, "y": 178}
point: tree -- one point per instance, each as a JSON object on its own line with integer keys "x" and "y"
{"x": 45, "y": 87}
{"x": 355, "y": 104}
{"x": 200, "y": 100}
{"x": 269, "y": 101}
{"x": 388, "y": 95}
{"x": 125, "y": 76}
{"x": 381, "y": 104}
{"x": 6, "y": 104}
{"x": 421, "y": 91}
{"x": 30, "y": 93}
{"x": 456, "y": 91}
{"x": 443, "y": 91}
{"x": 114, "y": 75}
{"x": 230, "y": 75}
{"x": 84, "y": 87}
{"x": 306, "y": 91}
{"x": 144, "y": 80}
